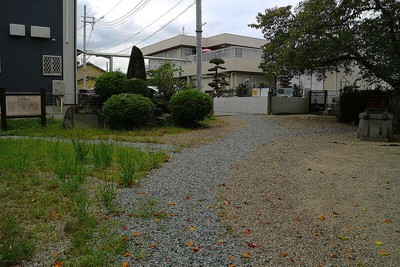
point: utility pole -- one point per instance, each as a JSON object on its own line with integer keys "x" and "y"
{"x": 198, "y": 43}
{"x": 84, "y": 43}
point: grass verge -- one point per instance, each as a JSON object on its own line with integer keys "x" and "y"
{"x": 54, "y": 196}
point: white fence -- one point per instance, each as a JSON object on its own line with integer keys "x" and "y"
{"x": 259, "y": 105}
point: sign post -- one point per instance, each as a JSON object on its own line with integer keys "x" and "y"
{"x": 22, "y": 105}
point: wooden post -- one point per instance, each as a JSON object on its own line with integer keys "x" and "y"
{"x": 3, "y": 109}
{"x": 43, "y": 107}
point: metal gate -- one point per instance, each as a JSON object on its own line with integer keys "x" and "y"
{"x": 318, "y": 100}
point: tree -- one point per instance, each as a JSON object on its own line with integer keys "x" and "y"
{"x": 163, "y": 78}
{"x": 324, "y": 35}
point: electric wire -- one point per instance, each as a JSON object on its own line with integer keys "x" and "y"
{"x": 161, "y": 28}
{"x": 124, "y": 18}
{"x": 136, "y": 34}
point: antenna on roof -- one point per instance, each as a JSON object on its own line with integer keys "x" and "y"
{"x": 183, "y": 30}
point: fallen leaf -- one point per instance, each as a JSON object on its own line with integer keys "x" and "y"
{"x": 124, "y": 238}
{"x": 246, "y": 255}
{"x": 173, "y": 215}
{"x": 58, "y": 264}
{"x": 143, "y": 194}
{"x": 350, "y": 250}
{"x": 297, "y": 218}
{"x": 171, "y": 204}
{"x": 378, "y": 243}
{"x": 127, "y": 254}
{"x": 226, "y": 202}
{"x": 247, "y": 232}
{"x": 343, "y": 238}
{"x": 125, "y": 264}
{"x": 321, "y": 172}
{"x": 187, "y": 197}
{"x": 251, "y": 245}
{"x": 335, "y": 213}
{"x": 195, "y": 249}
{"x": 388, "y": 221}
{"x": 153, "y": 245}
{"x": 333, "y": 256}
{"x": 283, "y": 254}
{"x": 230, "y": 257}
{"x": 136, "y": 234}
{"x": 192, "y": 229}
{"x": 384, "y": 253}
{"x": 231, "y": 265}
{"x": 218, "y": 243}
{"x": 190, "y": 244}
{"x": 364, "y": 210}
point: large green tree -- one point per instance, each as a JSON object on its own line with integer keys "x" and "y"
{"x": 324, "y": 35}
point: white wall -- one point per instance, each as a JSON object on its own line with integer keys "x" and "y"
{"x": 248, "y": 105}
{"x": 259, "y": 105}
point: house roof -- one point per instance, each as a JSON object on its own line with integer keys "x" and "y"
{"x": 93, "y": 65}
{"x": 214, "y": 42}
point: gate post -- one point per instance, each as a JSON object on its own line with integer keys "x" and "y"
{"x": 3, "y": 109}
{"x": 43, "y": 107}
{"x": 269, "y": 103}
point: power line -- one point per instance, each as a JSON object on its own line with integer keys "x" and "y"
{"x": 125, "y": 17}
{"x": 136, "y": 34}
{"x": 162, "y": 27}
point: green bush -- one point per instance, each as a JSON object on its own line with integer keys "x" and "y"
{"x": 137, "y": 86}
{"x": 127, "y": 111}
{"x": 189, "y": 107}
{"x": 110, "y": 83}
{"x": 353, "y": 102}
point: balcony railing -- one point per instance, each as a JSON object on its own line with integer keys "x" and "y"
{"x": 226, "y": 53}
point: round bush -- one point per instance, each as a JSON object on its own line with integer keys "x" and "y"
{"x": 189, "y": 107}
{"x": 127, "y": 111}
{"x": 110, "y": 83}
{"x": 137, "y": 86}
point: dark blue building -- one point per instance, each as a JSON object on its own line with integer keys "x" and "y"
{"x": 38, "y": 46}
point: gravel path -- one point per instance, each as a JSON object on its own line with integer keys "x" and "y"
{"x": 186, "y": 188}
{"x": 318, "y": 197}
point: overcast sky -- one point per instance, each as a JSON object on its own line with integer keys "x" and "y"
{"x": 120, "y": 24}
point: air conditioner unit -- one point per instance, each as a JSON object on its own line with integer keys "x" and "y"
{"x": 58, "y": 88}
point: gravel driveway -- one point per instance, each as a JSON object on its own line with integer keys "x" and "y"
{"x": 271, "y": 192}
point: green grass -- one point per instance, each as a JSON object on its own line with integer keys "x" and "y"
{"x": 31, "y": 127}
{"x": 47, "y": 184}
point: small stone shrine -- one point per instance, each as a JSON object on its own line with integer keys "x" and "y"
{"x": 376, "y": 123}
{"x": 85, "y": 114}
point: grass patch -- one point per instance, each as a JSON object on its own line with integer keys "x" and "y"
{"x": 62, "y": 184}
{"x": 31, "y": 127}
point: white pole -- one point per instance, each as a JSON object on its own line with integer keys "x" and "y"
{"x": 198, "y": 44}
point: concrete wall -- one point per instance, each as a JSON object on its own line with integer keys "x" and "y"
{"x": 247, "y": 105}
{"x": 259, "y": 105}
{"x": 291, "y": 105}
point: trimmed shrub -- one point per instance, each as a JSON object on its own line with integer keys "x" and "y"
{"x": 189, "y": 107}
{"x": 128, "y": 111}
{"x": 110, "y": 83}
{"x": 137, "y": 86}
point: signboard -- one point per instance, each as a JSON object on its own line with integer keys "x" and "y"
{"x": 23, "y": 105}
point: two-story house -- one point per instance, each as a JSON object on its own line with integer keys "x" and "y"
{"x": 38, "y": 47}
{"x": 242, "y": 56}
